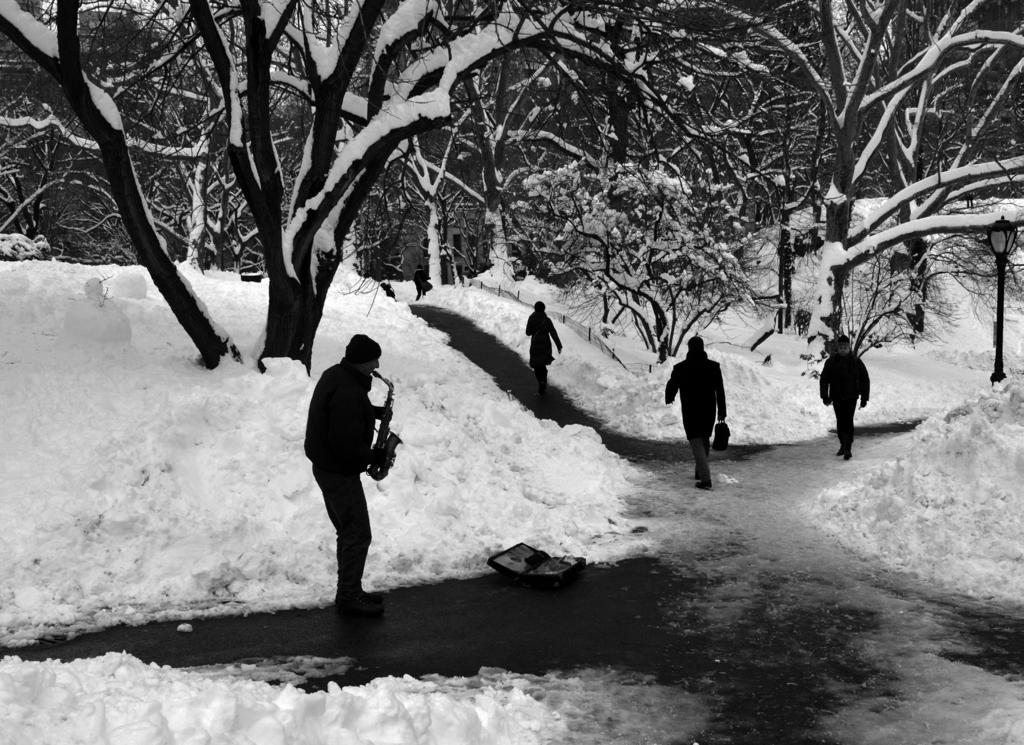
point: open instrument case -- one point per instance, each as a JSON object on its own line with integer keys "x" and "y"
{"x": 534, "y": 568}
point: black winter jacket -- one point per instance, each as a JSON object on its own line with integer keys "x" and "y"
{"x": 542, "y": 332}
{"x": 339, "y": 428}
{"x": 698, "y": 381}
{"x": 844, "y": 378}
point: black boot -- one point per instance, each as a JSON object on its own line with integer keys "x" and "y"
{"x": 360, "y": 605}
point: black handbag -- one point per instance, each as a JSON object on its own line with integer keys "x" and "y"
{"x": 721, "y": 439}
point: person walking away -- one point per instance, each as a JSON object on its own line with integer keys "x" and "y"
{"x": 844, "y": 379}
{"x": 542, "y": 332}
{"x": 421, "y": 281}
{"x": 698, "y": 381}
{"x": 339, "y": 440}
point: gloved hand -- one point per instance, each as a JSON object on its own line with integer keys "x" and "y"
{"x": 827, "y": 401}
{"x": 378, "y": 457}
{"x": 863, "y": 403}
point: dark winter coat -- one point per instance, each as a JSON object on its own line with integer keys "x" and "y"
{"x": 339, "y": 428}
{"x": 698, "y": 381}
{"x": 844, "y": 378}
{"x": 420, "y": 279}
{"x": 542, "y": 332}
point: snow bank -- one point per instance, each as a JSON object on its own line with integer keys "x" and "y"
{"x": 137, "y": 485}
{"x": 95, "y": 318}
{"x": 952, "y": 509}
{"x": 119, "y": 700}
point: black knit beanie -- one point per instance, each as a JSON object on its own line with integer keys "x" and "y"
{"x": 362, "y": 349}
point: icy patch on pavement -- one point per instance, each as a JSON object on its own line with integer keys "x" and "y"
{"x": 598, "y": 706}
{"x": 291, "y": 670}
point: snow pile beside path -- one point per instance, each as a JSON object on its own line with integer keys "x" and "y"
{"x": 766, "y": 403}
{"x": 137, "y": 486}
{"x": 117, "y": 699}
{"x": 952, "y": 509}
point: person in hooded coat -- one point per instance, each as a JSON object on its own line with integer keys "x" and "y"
{"x": 698, "y": 381}
{"x": 542, "y": 332}
{"x": 844, "y": 379}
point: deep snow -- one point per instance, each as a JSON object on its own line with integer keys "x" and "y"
{"x": 138, "y": 486}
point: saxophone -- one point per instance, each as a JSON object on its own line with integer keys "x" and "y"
{"x": 387, "y": 441}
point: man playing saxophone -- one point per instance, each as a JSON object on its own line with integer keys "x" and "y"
{"x": 339, "y": 443}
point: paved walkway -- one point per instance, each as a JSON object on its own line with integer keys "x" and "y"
{"x": 783, "y": 637}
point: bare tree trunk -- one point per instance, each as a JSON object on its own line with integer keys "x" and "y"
{"x": 785, "y": 251}
{"x": 837, "y": 223}
{"x": 491, "y": 156}
{"x": 433, "y": 240}
{"x": 127, "y": 194}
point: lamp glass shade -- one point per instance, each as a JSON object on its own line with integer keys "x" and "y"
{"x": 1001, "y": 236}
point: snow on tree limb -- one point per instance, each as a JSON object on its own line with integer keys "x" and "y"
{"x": 26, "y": 201}
{"x": 392, "y": 123}
{"x": 929, "y": 59}
{"x": 925, "y": 226}
{"x": 409, "y": 17}
{"x": 792, "y": 50}
{"x": 967, "y": 178}
{"x": 29, "y": 34}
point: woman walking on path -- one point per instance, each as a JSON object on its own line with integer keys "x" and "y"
{"x": 844, "y": 379}
{"x": 542, "y": 332}
{"x": 698, "y": 381}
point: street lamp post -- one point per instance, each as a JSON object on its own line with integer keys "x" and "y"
{"x": 1001, "y": 237}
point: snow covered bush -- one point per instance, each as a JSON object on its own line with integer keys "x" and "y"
{"x": 644, "y": 239}
{"x": 17, "y": 247}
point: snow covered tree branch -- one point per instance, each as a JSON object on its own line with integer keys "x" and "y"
{"x": 890, "y": 73}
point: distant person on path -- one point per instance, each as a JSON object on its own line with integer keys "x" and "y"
{"x": 843, "y": 380}
{"x": 542, "y": 332}
{"x": 698, "y": 381}
{"x": 422, "y": 282}
{"x": 339, "y": 439}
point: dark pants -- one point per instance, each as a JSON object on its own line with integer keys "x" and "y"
{"x": 701, "y": 449}
{"x": 844, "y": 420}
{"x": 541, "y": 373}
{"x": 346, "y": 506}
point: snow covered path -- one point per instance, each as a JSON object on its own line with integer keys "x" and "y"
{"x": 787, "y": 636}
{"x": 750, "y": 626}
